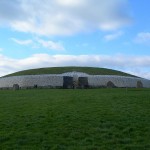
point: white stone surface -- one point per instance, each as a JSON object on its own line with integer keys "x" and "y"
{"x": 31, "y": 80}
{"x": 119, "y": 81}
{"x": 56, "y": 80}
{"x": 75, "y": 73}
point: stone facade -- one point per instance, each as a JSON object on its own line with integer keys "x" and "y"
{"x": 30, "y": 81}
{"x": 118, "y": 81}
{"x": 58, "y": 80}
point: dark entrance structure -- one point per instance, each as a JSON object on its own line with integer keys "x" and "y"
{"x": 139, "y": 84}
{"x": 110, "y": 84}
{"x": 83, "y": 82}
{"x": 67, "y": 82}
{"x": 16, "y": 87}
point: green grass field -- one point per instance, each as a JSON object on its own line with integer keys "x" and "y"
{"x": 58, "y": 119}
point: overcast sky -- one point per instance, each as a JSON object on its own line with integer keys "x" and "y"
{"x": 112, "y": 34}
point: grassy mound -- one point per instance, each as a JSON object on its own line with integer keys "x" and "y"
{"x": 59, "y": 70}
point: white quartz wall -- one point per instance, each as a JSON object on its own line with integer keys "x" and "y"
{"x": 119, "y": 81}
{"x": 57, "y": 81}
{"x": 31, "y": 80}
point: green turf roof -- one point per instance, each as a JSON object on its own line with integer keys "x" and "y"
{"x": 59, "y": 70}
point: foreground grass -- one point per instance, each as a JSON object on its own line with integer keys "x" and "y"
{"x": 93, "y": 119}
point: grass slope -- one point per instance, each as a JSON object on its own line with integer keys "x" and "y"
{"x": 59, "y": 70}
{"x": 94, "y": 119}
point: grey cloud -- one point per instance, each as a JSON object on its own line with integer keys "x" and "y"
{"x": 11, "y": 10}
{"x": 64, "y": 17}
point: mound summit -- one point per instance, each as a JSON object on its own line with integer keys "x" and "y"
{"x": 60, "y": 70}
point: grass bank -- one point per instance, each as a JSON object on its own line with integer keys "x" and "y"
{"x": 60, "y": 70}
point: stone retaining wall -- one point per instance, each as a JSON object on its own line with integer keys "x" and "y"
{"x": 118, "y": 81}
{"x": 31, "y": 81}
